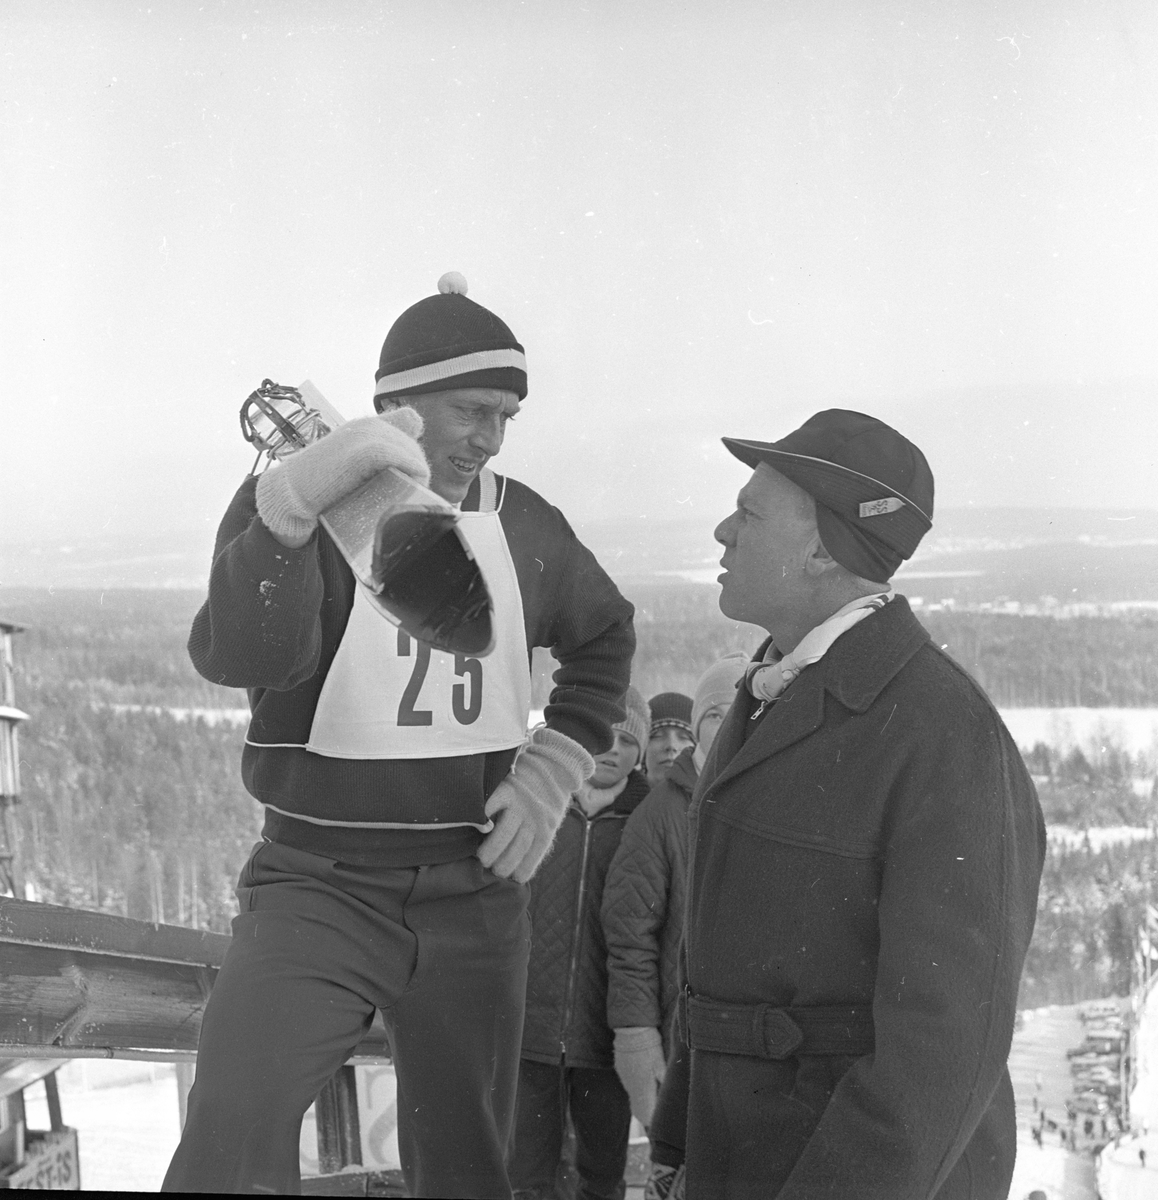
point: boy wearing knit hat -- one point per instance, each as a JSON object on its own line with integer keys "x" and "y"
{"x": 671, "y": 733}
{"x": 406, "y": 806}
{"x": 568, "y": 1065}
{"x": 643, "y": 906}
{"x": 865, "y": 847}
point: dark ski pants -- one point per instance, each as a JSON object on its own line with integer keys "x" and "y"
{"x": 441, "y": 950}
{"x": 601, "y": 1114}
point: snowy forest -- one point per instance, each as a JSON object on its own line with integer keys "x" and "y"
{"x": 142, "y": 814}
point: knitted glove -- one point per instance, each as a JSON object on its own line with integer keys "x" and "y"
{"x": 290, "y": 497}
{"x": 664, "y": 1183}
{"x": 528, "y": 806}
{"x": 639, "y": 1063}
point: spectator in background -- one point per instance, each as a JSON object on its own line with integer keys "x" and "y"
{"x": 643, "y": 906}
{"x": 567, "y": 1061}
{"x": 671, "y": 733}
{"x": 715, "y": 692}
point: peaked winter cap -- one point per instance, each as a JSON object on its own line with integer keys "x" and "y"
{"x": 873, "y": 488}
{"x": 447, "y": 341}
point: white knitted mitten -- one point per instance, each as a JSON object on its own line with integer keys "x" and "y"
{"x": 528, "y": 806}
{"x": 640, "y": 1065}
{"x": 292, "y": 495}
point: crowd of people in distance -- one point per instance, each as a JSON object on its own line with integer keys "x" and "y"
{"x": 607, "y": 909}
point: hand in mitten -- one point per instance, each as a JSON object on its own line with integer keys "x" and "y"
{"x": 640, "y": 1064}
{"x": 528, "y": 806}
{"x": 292, "y": 495}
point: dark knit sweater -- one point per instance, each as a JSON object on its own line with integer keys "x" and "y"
{"x": 274, "y": 620}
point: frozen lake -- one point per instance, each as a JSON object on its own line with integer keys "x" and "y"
{"x": 1133, "y": 729}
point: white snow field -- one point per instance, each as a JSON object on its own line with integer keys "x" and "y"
{"x": 128, "y": 1126}
{"x": 1128, "y": 1170}
{"x": 126, "y": 1118}
{"x": 1039, "y": 1069}
{"x": 1122, "y": 1173}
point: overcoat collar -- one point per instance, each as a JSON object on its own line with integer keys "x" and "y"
{"x": 856, "y": 669}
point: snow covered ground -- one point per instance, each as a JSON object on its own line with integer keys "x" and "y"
{"x": 128, "y": 1124}
{"x": 1040, "y": 1072}
{"x": 126, "y": 1119}
{"x": 1129, "y": 1169}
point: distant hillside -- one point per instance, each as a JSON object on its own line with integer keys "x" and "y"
{"x": 971, "y": 555}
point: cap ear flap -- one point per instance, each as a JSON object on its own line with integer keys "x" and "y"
{"x": 853, "y": 548}
{"x": 818, "y": 560}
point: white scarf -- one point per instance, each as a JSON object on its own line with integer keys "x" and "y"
{"x": 767, "y": 679}
{"x": 593, "y": 800}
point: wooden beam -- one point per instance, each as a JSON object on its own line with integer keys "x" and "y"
{"x": 83, "y": 984}
{"x": 52, "y": 1095}
{"x": 339, "y": 1130}
{"x": 22, "y": 921}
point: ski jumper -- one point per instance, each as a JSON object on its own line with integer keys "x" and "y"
{"x": 374, "y": 756}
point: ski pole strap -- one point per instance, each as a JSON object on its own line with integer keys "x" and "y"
{"x": 765, "y": 1031}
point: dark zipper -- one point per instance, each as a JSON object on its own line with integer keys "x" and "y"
{"x": 573, "y": 969}
{"x": 577, "y": 935}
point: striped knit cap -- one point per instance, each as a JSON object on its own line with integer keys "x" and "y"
{"x": 637, "y": 719}
{"x": 447, "y": 341}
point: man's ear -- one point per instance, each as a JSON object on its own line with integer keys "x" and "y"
{"x": 818, "y": 561}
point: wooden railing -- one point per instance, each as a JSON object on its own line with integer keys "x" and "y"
{"x": 77, "y": 984}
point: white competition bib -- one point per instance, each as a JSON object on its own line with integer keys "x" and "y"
{"x": 388, "y": 695}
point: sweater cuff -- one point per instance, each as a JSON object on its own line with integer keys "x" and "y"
{"x": 565, "y": 753}
{"x": 634, "y": 1039}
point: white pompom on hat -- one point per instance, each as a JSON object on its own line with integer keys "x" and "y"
{"x": 454, "y": 282}
{"x": 446, "y": 342}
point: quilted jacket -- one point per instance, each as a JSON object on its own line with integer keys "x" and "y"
{"x": 643, "y": 906}
{"x": 566, "y": 1017}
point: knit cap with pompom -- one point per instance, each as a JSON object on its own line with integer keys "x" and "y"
{"x": 447, "y": 341}
{"x": 637, "y": 723}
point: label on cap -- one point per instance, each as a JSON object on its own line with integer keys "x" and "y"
{"x": 877, "y": 508}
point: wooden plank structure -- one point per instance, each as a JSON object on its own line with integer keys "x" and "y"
{"x": 77, "y": 984}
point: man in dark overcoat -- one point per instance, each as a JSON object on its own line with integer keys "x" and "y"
{"x": 866, "y": 848}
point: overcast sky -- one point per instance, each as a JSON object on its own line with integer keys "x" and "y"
{"x": 700, "y": 219}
